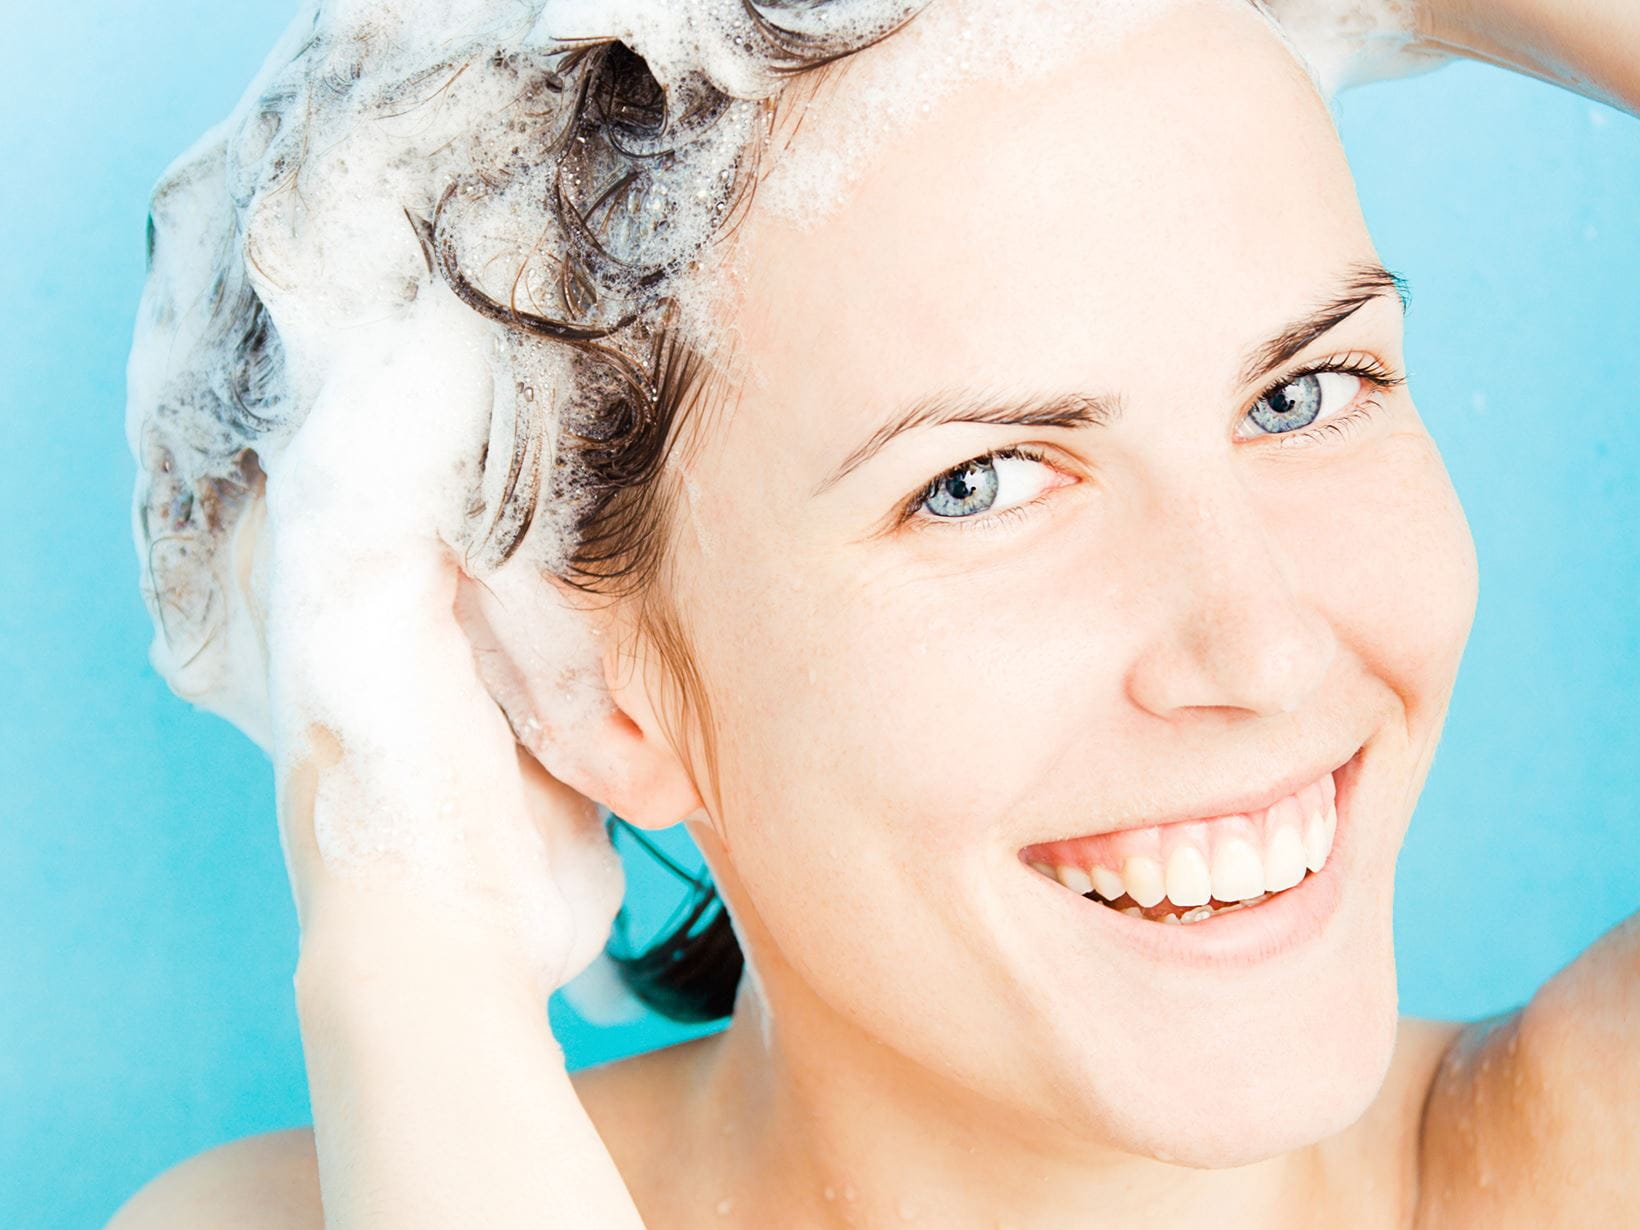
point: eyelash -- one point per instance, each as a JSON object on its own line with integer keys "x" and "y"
{"x": 1355, "y": 363}
{"x": 1372, "y": 372}
{"x": 909, "y": 511}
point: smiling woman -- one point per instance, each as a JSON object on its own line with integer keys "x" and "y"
{"x": 1034, "y": 522}
{"x": 1179, "y": 616}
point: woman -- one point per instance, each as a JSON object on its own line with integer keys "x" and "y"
{"x": 1047, "y": 547}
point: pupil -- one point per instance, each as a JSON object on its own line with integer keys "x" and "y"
{"x": 971, "y": 489}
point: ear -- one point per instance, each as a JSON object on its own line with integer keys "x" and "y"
{"x": 579, "y": 688}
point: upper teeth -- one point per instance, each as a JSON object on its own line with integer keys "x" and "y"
{"x": 1229, "y": 858}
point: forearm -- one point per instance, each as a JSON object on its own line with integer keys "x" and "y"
{"x": 1591, "y": 47}
{"x": 440, "y": 1097}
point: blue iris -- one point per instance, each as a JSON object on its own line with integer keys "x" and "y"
{"x": 1277, "y": 412}
{"x": 972, "y": 488}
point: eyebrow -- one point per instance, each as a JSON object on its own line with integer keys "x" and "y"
{"x": 1362, "y": 283}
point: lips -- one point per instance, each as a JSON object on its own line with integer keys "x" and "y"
{"x": 1230, "y": 942}
{"x": 1189, "y": 870}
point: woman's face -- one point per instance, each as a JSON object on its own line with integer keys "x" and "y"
{"x": 1182, "y": 599}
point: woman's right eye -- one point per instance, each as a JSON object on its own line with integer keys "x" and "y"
{"x": 989, "y": 483}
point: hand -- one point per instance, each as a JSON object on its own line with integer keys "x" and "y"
{"x": 404, "y": 797}
{"x": 445, "y": 882}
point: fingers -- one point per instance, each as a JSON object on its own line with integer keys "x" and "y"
{"x": 525, "y": 673}
{"x": 390, "y": 702}
{"x": 398, "y": 768}
{"x": 542, "y": 661}
{"x": 585, "y": 867}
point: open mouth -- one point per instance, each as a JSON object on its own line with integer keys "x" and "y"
{"x": 1187, "y": 872}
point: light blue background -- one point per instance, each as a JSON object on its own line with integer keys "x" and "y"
{"x": 146, "y": 936}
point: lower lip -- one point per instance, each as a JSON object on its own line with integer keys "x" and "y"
{"x": 1288, "y": 921}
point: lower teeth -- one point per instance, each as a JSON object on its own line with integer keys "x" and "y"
{"x": 1199, "y": 914}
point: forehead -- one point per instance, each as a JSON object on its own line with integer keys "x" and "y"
{"x": 1072, "y": 229}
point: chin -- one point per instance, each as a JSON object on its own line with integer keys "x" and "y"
{"x": 1257, "y": 1120}
{"x": 1276, "y": 1076}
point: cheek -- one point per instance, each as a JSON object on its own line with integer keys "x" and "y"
{"x": 873, "y": 723}
{"x": 1397, "y": 572}
{"x": 876, "y": 706}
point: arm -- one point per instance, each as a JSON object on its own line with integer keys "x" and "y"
{"x": 1591, "y": 47}
{"x": 422, "y": 1078}
{"x": 440, "y": 1097}
{"x": 445, "y": 883}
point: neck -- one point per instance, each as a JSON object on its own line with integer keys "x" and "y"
{"x": 821, "y": 1125}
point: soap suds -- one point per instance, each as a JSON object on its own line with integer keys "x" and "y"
{"x": 1337, "y": 45}
{"x": 433, "y": 238}
{"x": 1348, "y": 45}
{"x": 948, "y": 45}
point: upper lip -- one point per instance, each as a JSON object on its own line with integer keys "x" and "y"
{"x": 1246, "y": 803}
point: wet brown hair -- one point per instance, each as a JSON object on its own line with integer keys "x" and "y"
{"x": 615, "y": 458}
{"x": 569, "y": 162}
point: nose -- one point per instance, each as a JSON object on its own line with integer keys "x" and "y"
{"x": 1230, "y": 626}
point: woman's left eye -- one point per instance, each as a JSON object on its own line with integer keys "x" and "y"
{"x": 1296, "y": 402}
{"x": 991, "y": 483}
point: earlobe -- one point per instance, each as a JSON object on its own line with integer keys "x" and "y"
{"x": 576, "y": 702}
{"x": 655, "y": 789}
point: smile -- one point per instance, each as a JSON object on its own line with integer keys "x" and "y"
{"x": 1187, "y": 872}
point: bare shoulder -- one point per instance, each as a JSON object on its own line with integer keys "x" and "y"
{"x": 1531, "y": 1115}
{"x": 264, "y": 1182}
